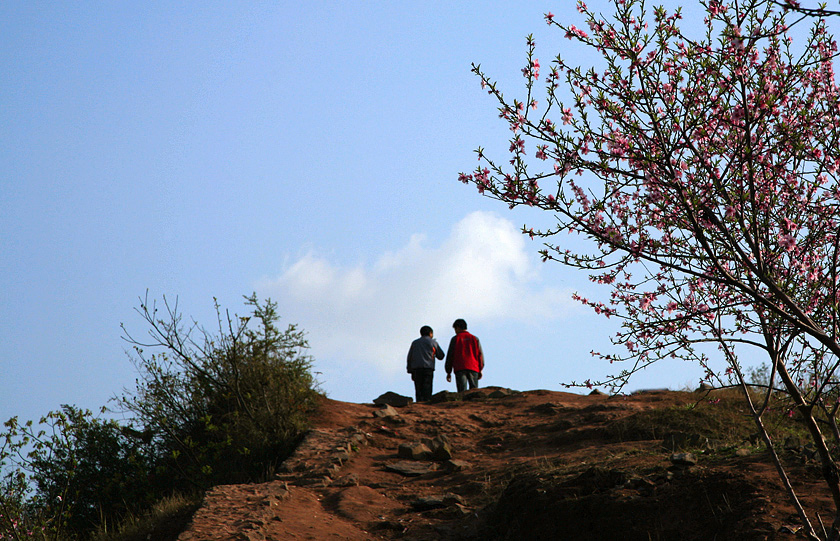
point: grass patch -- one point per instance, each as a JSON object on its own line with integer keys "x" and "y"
{"x": 722, "y": 417}
{"x": 164, "y": 522}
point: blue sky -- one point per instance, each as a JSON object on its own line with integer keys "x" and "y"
{"x": 305, "y": 151}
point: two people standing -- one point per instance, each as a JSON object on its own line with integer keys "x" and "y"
{"x": 465, "y": 358}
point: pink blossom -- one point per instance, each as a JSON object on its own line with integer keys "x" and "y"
{"x": 567, "y": 115}
{"x": 576, "y": 32}
{"x": 787, "y": 242}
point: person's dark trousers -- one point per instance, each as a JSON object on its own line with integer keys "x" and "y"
{"x": 464, "y": 378}
{"x": 423, "y": 378}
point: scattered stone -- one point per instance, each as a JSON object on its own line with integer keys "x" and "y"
{"x": 390, "y": 432}
{"x": 440, "y": 446}
{"x": 486, "y": 423}
{"x": 357, "y": 440}
{"x": 655, "y": 390}
{"x": 385, "y": 411}
{"x": 705, "y": 386}
{"x": 393, "y": 399}
{"x": 547, "y": 408}
{"x": 314, "y": 481}
{"x": 410, "y": 468}
{"x": 430, "y": 502}
{"x": 683, "y": 459}
{"x": 442, "y": 452}
{"x": 445, "y": 396}
{"x": 437, "y": 502}
{"x": 349, "y": 480}
{"x": 742, "y": 452}
{"x": 457, "y": 511}
{"x": 414, "y": 451}
{"x": 500, "y": 393}
{"x": 476, "y": 394}
{"x": 597, "y": 392}
{"x": 283, "y": 493}
{"x": 454, "y": 466}
{"x": 340, "y": 457}
{"x": 790, "y": 529}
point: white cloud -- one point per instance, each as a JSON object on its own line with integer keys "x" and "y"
{"x": 367, "y": 315}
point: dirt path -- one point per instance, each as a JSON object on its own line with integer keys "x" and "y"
{"x": 358, "y": 475}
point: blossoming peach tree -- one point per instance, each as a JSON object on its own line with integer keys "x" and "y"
{"x": 703, "y": 167}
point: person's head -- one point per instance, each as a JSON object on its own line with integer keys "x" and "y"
{"x": 425, "y": 330}
{"x": 459, "y": 325}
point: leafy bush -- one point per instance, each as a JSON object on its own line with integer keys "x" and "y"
{"x": 207, "y": 409}
{"x": 225, "y": 407}
{"x": 67, "y": 474}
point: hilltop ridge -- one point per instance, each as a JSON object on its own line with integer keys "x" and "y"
{"x": 501, "y": 464}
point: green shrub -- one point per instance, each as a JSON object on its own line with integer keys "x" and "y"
{"x": 224, "y": 407}
{"x": 67, "y": 474}
{"x": 207, "y": 409}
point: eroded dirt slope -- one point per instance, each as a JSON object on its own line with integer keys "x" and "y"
{"x": 508, "y": 465}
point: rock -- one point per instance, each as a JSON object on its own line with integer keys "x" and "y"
{"x": 683, "y": 459}
{"x": 547, "y": 408}
{"x": 704, "y": 387}
{"x": 414, "y": 451}
{"x": 437, "y": 502}
{"x": 440, "y": 447}
{"x": 393, "y": 399}
{"x": 476, "y": 394}
{"x": 357, "y": 440}
{"x": 445, "y": 396}
{"x": 340, "y": 457}
{"x": 385, "y": 411}
{"x": 500, "y": 393}
{"x": 453, "y": 499}
{"x": 429, "y": 502}
{"x": 410, "y": 468}
{"x": 457, "y": 511}
{"x": 283, "y": 493}
{"x": 390, "y": 432}
{"x": 486, "y": 423}
{"x": 597, "y": 392}
{"x": 349, "y": 480}
{"x": 743, "y": 452}
{"x": 442, "y": 452}
{"x": 453, "y": 466}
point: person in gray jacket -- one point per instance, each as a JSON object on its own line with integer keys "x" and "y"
{"x": 421, "y": 363}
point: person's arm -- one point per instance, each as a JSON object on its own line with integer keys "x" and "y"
{"x": 480, "y": 358}
{"x": 448, "y": 364}
{"x": 408, "y": 360}
{"x": 438, "y": 351}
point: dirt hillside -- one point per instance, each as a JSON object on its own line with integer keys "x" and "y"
{"x": 500, "y": 464}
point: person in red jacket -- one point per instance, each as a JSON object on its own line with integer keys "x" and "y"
{"x": 465, "y": 357}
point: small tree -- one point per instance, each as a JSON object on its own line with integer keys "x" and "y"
{"x": 224, "y": 407}
{"x": 703, "y": 168}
